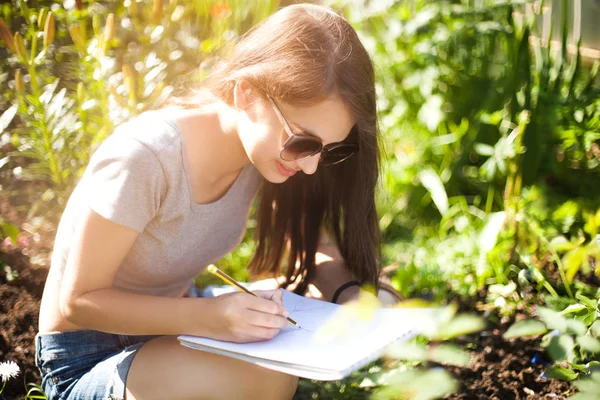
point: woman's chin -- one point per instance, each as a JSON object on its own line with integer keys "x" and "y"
{"x": 276, "y": 178}
{"x": 272, "y": 175}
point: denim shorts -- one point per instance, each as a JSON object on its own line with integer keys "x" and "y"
{"x": 85, "y": 364}
{"x": 93, "y": 365}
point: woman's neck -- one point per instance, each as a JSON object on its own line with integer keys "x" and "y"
{"x": 212, "y": 142}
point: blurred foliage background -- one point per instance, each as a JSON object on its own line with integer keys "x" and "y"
{"x": 490, "y": 121}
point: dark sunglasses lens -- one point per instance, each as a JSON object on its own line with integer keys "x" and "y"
{"x": 300, "y": 147}
{"x": 338, "y": 154}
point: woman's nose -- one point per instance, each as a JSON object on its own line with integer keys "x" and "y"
{"x": 309, "y": 164}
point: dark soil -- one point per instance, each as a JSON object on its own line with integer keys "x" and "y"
{"x": 19, "y": 308}
{"x": 504, "y": 370}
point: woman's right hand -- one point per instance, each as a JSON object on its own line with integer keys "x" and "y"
{"x": 240, "y": 317}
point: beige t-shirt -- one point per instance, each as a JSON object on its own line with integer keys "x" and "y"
{"x": 139, "y": 177}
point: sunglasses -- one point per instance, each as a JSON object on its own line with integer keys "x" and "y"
{"x": 297, "y": 147}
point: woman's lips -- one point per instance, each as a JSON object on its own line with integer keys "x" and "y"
{"x": 283, "y": 170}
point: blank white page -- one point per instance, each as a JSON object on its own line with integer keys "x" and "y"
{"x": 355, "y": 341}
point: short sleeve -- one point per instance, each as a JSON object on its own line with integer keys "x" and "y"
{"x": 125, "y": 182}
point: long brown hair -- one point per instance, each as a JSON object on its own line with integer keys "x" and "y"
{"x": 302, "y": 55}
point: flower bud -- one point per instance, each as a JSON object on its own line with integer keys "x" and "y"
{"x": 76, "y": 36}
{"x": 20, "y": 46}
{"x": 133, "y": 8}
{"x": 119, "y": 99}
{"x": 80, "y": 93}
{"x": 19, "y": 81}
{"x": 7, "y": 37}
{"x": 49, "y": 30}
{"x": 130, "y": 83}
{"x": 220, "y": 11}
{"x": 42, "y": 17}
{"x": 96, "y": 24}
{"x": 157, "y": 11}
{"x": 109, "y": 28}
{"x": 128, "y": 77}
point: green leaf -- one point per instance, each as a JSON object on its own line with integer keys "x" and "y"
{"x": 450, "y": 354}
{"x": 431, "y": 113}
{"x": 483, "y": 149}
{"x": 573, "y": 261}
{"x": 462, "y": 324}
{"x": 593, "y": 304}
{"x": 576, "y": 327}
{"x": 490, "y": 232}
{"x": 408, "y": 351}
{"x": 589, "y": 318}
{"x": 589, "y": 344}
{"x": 10, "y": 230}
{"x": 552, "y": 319}
{"x": 588, "y": 386}
{"x": 416, "y": 385}
{"x": 593, "y": 365}
{"x": 561, "y": 348}
{"x": 595, "y": 327}
{"x": 528, "y": 327}
{"x": 578, "y": 367}
{"x": 562, "y": 374}
{"x": 493, "y": 118}
{"x": 573, "y": 308}
{"x": 583, "y": 396}
{"x": 561, "y": 243}
{"x": 503, "y": 290}
{"x": 7, "y": 117}
{"x": 432, "y": 182}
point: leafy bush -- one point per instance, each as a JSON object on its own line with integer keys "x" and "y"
{"x": 72, "y": 74}
{"x": 492, "y": 138}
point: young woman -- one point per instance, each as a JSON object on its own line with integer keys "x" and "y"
{"x": 289, "y": 115}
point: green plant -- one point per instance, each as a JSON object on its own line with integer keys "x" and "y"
{"x": 572, "y": 336}
{"x": 401, "y": 374}
{"x": 492, "y": 145}
{"x": 35, "y": 392}
{"x": 588, "y": 388}
{"x": 443, "y": 325}
{"x": 80, "y": 71}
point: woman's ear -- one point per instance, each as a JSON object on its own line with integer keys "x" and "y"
{"x": 241, "y": 94}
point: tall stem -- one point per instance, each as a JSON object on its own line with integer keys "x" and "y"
{"x": 490, "y": 199}
{"x": 46, "y": 136}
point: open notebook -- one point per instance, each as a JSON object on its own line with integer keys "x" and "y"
{"x": 322, "y": 354}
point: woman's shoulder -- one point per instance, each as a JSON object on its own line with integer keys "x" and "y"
{"x": 155, "y": 130}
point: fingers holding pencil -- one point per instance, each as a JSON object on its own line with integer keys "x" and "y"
{"x": 239, "y": 317}
{"x": 274, "y": 295}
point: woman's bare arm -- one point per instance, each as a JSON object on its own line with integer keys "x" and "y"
{"x": 332, "y": 272}
{"x": 88, "y": 300}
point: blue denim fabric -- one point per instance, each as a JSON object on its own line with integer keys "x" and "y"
{"x": 84, "y": 364}
{"x": 91, "y": 365}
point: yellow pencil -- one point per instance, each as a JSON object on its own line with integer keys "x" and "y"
{"x": 216, "y": 271}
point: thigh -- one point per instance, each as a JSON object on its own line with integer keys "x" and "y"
{"x": 163, "y": 369}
